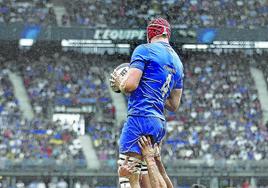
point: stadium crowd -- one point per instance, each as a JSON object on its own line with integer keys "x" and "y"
{"x": 32, "y": 142}
{"x": 30, "y": 12}
{"x": 192, "y": 13}
{"x": 66, "y": 80}
{"x": 69, "y": 80}
{"x": 9, "y": 107}
{"x": 134, "y": 14}
{"x": 40, "y": 143}
{"x": 105, "y": 136}
{"x": 220, "y": 116}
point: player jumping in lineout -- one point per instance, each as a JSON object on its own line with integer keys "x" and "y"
{"x": 154, "y": 81}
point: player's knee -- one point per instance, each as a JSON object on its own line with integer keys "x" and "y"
{"x": 144, "y": 168}
{"x": 130, "y": 160}
{"x": 134, "y": 155}
{"x": 124, "y": 182}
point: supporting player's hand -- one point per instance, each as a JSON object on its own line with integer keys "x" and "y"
{"x": 127, "y": 169}
{"x": 146, "y": 147}
{"x": 157, "y": 150}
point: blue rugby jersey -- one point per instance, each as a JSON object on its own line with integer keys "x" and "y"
{"x": 162, "y": 72}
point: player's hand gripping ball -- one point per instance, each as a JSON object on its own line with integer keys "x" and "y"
{"x": 117, "y": 76}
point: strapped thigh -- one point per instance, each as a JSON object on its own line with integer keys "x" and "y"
{"x": 124, "y": 181}
{"x": 144, "y": 168}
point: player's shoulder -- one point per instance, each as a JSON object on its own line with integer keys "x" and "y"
{"x": 141, "y": 49}
{"x": 178, "y": 63}
{"x": 148, "y": 46}
{"x": 177, "y": 58}
{"x": 179, "y": 68}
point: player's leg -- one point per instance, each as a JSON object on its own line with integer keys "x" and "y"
{"x": 134, "y": 128}
{"x": 128, "y": 146}
{"x": 156, "y": 134}
{"x": 132, "y": 181}
{"x": 126, "y": 167}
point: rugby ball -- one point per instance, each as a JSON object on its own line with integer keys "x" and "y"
{"x": 120, "y": 71}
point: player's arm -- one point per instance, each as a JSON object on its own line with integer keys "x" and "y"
{"x": 162, "y": 171}
{"x": 173, "y": 101}
{"x": 156, "y": 178}
{"x": 131, "y": 80}
{"x": 161, "y": 167}
{"x": 138, "y": 59}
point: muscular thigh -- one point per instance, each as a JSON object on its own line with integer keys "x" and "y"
{"x": 137, "y": 126}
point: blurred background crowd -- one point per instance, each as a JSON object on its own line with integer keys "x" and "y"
{"x": 33, "y": 12}
{"x": 133, "y": 14}
{"x": 193, "y": 13}
{"x": 220, "y": 116}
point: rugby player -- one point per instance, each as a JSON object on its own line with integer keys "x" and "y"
{"x": 157, "y": 173}
{"x": 154, "y": 82}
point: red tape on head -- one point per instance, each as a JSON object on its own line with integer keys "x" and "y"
{"x": 157, "y": 27}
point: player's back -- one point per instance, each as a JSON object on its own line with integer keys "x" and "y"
{"x": 162, "y": 71}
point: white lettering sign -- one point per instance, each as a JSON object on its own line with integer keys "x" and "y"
{"x": 119, "y": 34}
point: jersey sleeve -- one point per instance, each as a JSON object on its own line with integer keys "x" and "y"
{"x": 139, "y": 57}
{"x": 179, "y": 81}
